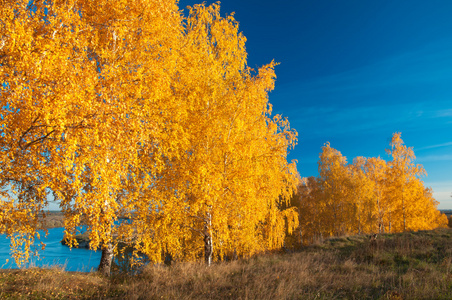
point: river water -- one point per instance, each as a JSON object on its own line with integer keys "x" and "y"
{"x": 81, "y": 260}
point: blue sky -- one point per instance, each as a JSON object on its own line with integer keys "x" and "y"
{"x": 355, "y": 72}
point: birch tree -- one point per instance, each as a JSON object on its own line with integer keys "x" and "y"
{"x": 334, "y": 177}
{"x": 401, "y": 173}
{"x": 369, "y": 196}
{"x": 406, "y": 192}
{"x": 228, "y": 182}
{"x": 83, "y": 85}
{"x": 375, "y": 169}
{"x": 125, "y": 109}
{"x": 362, "y": 196}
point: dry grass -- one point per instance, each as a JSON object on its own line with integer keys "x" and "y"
{"x": 54, "y": 283}
{"x": 396, "y": 266}
{"x": 53, "y": 219}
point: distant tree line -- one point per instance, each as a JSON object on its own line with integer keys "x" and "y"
{"x": 370, "y": 195}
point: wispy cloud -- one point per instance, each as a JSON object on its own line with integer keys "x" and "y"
{"x": 409, "y": 90}
{"x": 429, "y": 158}
{"x": 409, "y": 93}
{"x": 440, "y": 185}
{"x": 430, "y": 64}
{"x": 318, "y": 120}
{"x": 445, "y": 113}
{"x": 435, "y": 146}
{"x": 422, "y": 75}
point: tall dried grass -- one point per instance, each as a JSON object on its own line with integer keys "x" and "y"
{"x": 395, "y": 266}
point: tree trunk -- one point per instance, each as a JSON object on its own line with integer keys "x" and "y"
{"x": 106, "y": 260}
{"x": 107, "y": 249}
{"x": 208, "y": 246}
{"x": 208, "y": 249}
{"x": 381, "y": 228}
{"x": 301, "y": 236}
{"x": 234, "y": 255}
{"x": 404, "y": 213}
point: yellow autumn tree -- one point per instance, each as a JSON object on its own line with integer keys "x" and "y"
{"x": 335, "y": 182}
{"x": 125, "y": 109}
{"x": 429, "y": 217}
{"x": 402, "y": 172}
{"x": 223, "y": 191}
{"x": 368, "y": 196}
{"x": 313, "y": 215}
{"x": 375, "y": 170}
{"x": 407, "y": 195}
{"x": 85, "y": 91}
{"x": 324, "y": 203}
{"x": 362, "y": 196}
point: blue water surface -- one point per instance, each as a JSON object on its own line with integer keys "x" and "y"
{"x": 81, "y": 260}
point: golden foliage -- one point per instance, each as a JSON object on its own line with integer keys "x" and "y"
{"x": 128, "y": 109}
{"x": 223, "y": 187}
{"x": 368, "y": 196}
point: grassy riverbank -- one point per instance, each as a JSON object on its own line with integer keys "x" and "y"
{"x": 53, "y": 219}
{"x": 396, "y": 266}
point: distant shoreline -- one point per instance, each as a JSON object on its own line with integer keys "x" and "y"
{"x": 53, "y": 219}
{"x": 447, "y": 212}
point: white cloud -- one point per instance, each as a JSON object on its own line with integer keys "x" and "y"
{"x": 427, "y": 65}
{"x": 428, "y": 158}
{"x": 442, "y": 191}
{"x": 435, "y": 146}
{"x": 445, "y": 113}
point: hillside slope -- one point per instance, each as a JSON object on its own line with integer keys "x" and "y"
{"x": 412, "y": 265}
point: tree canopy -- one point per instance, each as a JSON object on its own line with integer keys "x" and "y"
{"x": 368, "y": 196}
{"x": 129, "y": 109}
